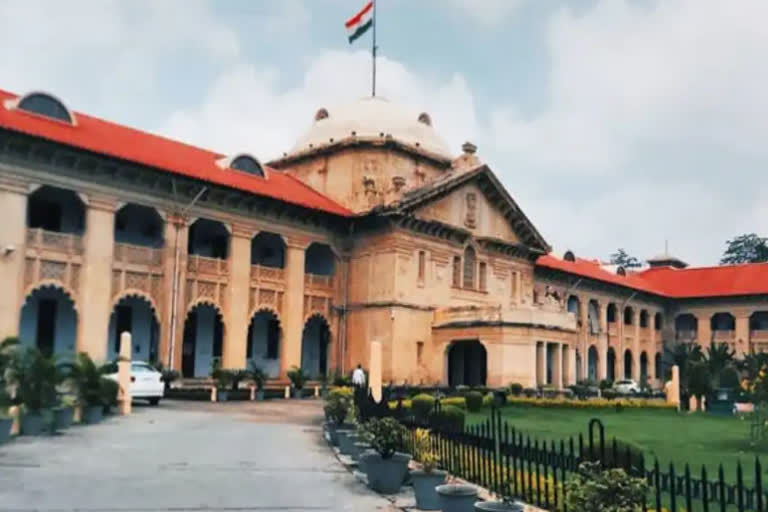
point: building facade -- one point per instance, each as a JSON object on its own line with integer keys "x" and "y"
{"x": 369, "y": 229}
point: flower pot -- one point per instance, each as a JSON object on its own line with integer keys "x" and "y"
{"x": 345, "y": 443}
{"x": 93, "y": 414}
{"x": 332, "y": 429}
{"x": 497, "y": 506}
{"x": 386, "y": 475}
{"x": 457, "y": 497}
{"x": 222, "y": 396}
{"x": 5, "y": 429}
{"x": 63, "y": 417}
{"x": 34, "y": 424}
{"x": 297, "y": 393}
{"x": 260, "y": 395}
{"x": 424, "y": 484}
{"x": 360, "y": 448}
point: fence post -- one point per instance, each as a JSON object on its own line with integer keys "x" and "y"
{"x": 739, "y": 487}
{"x": 758, "y": 485}
{"x": 721, "y": 478}
{"x": 672, "y": 487}
{"x": 705, "y": 488}
{"x": 687, "y": 487}
{"x": 657, "y": 476}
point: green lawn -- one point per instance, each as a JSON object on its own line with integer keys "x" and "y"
{"x": 672, "y": 437}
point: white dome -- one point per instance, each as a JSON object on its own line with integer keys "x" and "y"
{"x": 372, "y": 117}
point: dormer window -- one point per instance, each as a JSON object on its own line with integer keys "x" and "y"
{"x": 247, "y": 164}
{"x": 45, "y": 105}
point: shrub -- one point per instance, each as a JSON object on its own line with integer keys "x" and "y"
{"x": 610, "y": 394}
{"x": 337, "y": 407}
{"x": 345, "y": 392}
{"x": 515, "y": 389}
{"x": 627, "y": 455}
{"x": 595, "y": 403}
{"x": 386, "y": 435}
{"x": 449, "y": 417}
{"x": 297, "y": 377}
{"x": 422, "y": 405}
{"x": 454, "y": 401}
{"x": 530, "y": 392}
{"x": 595, "y": 490}
{"x": 86, "y": 379}
{"x": 108, "y": 392}
{"x": 35, "y": 377}
{"x": 474, "y": 400}
{"x": 488, "y": 400}
{"x": 580, "y": 391}
{"x": 605, "y": 384}
{"x": 424, "y": 452}
{"x": 549, "y": 392}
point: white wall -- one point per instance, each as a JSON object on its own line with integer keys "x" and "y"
{"x": 66, "y": 321}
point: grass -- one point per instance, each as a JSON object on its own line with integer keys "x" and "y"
{"x": 697, "y": 439}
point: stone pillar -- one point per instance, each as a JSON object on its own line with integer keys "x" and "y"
{"x": 557, "y": 366}
{"x": 742, "y": 333}
{"x": 636, "y": 350}
{"x": 175, "y": 260}
{"x": 672, "y": 388}
{"x": 237, "y": 303}
{"x": 541, "y": 363}
{"x": 96, "y": 285}
{"x": 602, "y": 348}
{"x": 12, "y": 242}
{"x": 704, "y": 330}
{"x": 569, "y": 359}
{"x": 124, "y": 375}
{"x": 293, "y": 308}
{"x": 374, "y": 370}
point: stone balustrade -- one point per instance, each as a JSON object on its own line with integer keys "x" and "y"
{"x": 318, "y": 282}
{"x": 137, "y": 254}
{"x": 68, "y": 243}
{"x": 204, "y": 265}
{"x": 262, "y": 273}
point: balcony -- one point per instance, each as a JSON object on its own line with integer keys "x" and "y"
{"x": 758, "y": 336}
{"x": 138, "y": 255}
{"x": 261, "y": 273}
{"x": 686, "y": 335}
{"x": 723, "y": 336}
{"x": 66, "y": 243}
{"x": 205, "y": 265}
{"x": 318, "y": 282}
{"x": 613, "y": 330}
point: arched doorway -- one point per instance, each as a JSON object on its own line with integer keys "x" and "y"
{"x": 263, "y": 345}
{"x": 203, "y": 340}
{"x": 643, "y": 369}
{"x": 314, "y": 346}
{"x": 133, "y": 314}
{"x": 627, "y": 364}
{"x": 467, "y": 363}
{"x": 658, "y": 371}
{"x": 48, "y": 321}
{"x": 611, "y": 362}
{"x": 592, "y": 360}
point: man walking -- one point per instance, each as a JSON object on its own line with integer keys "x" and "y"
{"x": 358, "y": 377}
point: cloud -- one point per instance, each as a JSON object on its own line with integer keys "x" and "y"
{"x": 489, "y": 13}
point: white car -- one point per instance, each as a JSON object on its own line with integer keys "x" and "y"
{"x": 626, "y": 387}
{"x": 146, "y": 382}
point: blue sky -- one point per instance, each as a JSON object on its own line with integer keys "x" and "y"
{"x": 613, "y": 123}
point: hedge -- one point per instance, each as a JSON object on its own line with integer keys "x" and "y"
{"x": 599, "y": 403}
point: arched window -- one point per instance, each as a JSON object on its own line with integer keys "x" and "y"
{"x": 456, "y": 271}
{"x": 247, "y": 164}
{"x": 469, "y": 267}
{"x": 45, "y": 105}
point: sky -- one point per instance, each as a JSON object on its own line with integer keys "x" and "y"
{"x": 613, "y": 123}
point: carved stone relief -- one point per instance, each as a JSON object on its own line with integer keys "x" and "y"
{"x": 470, "y": 215}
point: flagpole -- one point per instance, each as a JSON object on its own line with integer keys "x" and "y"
{"x": 373, "y": 52}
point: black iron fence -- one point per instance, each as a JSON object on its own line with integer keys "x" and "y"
{"x": 511, "y": 464}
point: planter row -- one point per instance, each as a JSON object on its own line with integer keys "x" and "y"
{"x": 204, "y": 394}
{"x": 49, "y": 422}
{"x": 387, "y": 475}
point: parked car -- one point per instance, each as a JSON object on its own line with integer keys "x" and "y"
{"x": 146, "y": 382}
{"x": 626, "y": 387}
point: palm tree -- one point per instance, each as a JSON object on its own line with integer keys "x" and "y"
{"x": 86, "y": 379}
{"x": 683, "y": 355}
{"x": 718, "y": 357}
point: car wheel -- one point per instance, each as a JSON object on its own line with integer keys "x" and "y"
{"x": 154, "y": 401}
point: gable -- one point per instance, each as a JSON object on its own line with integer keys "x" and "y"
{"x": 468, "y": 208}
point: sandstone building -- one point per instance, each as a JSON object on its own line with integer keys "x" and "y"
{"x": 369, "y": 228}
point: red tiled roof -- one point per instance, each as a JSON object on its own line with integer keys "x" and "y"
{"x": 133, "y": 145}
{"x": 726, "y": 280}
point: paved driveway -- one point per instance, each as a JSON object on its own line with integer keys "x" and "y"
{"x": 185, "y": 456}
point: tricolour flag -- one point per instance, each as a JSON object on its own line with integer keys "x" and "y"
{"x": 359, "y": 24}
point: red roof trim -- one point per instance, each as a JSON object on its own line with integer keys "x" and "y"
{"x": 106, "y": 138}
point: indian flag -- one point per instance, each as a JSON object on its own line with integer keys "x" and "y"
{"x": 359, "y": 24}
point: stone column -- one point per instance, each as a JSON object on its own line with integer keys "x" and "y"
{"x": 742, "y": 332}
{"x": 570, "y": 362}
{"x": 237, "y": 303}
{"x": 96, "y": 285}
{"x": 124, "y": 374}
{"x": 602, "y": 348}
{"x": 374, "y": 370}
{"x": 636, "y": 349}
{"x": 293, "y": 308}
{"x": 13, "y": 230}
{"x": 541, "y": 363}
{"x": 704, "y": 329}
{"x": 175, "y": 260}
{"x": 557, "y": 366}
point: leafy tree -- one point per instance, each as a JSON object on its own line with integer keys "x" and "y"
{"x": 699, "y": 381}
{"x": 752, "y": 363}
{"x": 718, "y": 357}
{"x": 748, "y": 248}
{"x": 621, "y": 258}
{"x": 683, "y": 355}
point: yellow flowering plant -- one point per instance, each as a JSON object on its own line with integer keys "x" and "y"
{"x": 424, "y": 451}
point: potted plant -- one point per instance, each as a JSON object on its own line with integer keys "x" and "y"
{"x": 385, "y": 466}
{"x": 7, "y": 352}
{"x": 238, "y": 376}
{"x": 259, "y": 377}
{"x": 428, "y": 477}
{"x": 298, "y": 378}
{"x": 108, "y": 391}
{"x": 223, "y": 382}
{"x": 35, "y": 377}
{"x": 336, "y": 409}
{"x": 456, "y": 497}
{"x": 88, "y": 381}
{"x": 167, "y": 376}
{"x": 64, "y": 413}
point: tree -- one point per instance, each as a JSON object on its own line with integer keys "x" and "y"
{"x": 621, "y": 258}
{"x": 748, "y": 248}
{"x": 718, "y": 357}
{"x": 752, "y": 363}
{"x": 699, "y": 381}
{"x": 684, "y": 355}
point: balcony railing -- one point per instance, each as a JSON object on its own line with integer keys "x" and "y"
{"x": 612, "y": 329}
{"x": 63, "y": 242}
{"x": 318, "y": 282}
{"x": 686, "y": 335}
{"x": 723, "y": 336}
{"x": 206, "y": 265}
{"x": 138, "y": 255}
{"x": 262, "y": 273}
{"x": 758, "y": 336}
